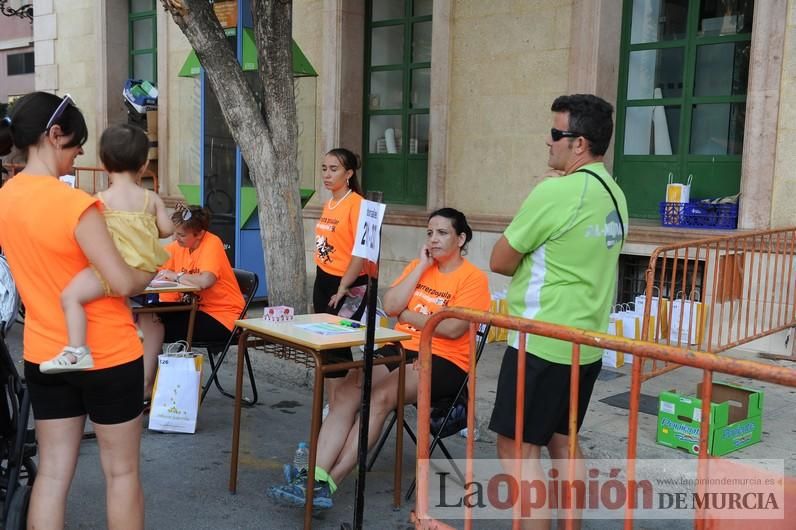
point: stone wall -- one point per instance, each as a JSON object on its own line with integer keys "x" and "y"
{"x": 509, "y": 60}
{"x": 783, "y": 208}
{"x": 183, "y": 113}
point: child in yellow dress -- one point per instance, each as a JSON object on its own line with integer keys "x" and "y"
{"x": 136, "y": 219}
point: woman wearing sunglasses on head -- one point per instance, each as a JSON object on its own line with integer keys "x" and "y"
{"x": 197, "y": 258}
{"x": 51, "y": 232}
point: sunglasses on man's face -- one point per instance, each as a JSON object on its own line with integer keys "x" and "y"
{"x": 557, "y": 134}
{"x": 59, "y": 111}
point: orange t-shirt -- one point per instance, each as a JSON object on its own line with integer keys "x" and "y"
{"x": 223, "y": 300}
{"x": 335, "y": 233}
{"x": 467, "y": 287}
{"x": 38, "y": 217}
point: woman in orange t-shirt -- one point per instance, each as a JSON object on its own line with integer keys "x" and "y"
{"x": 441, "y": 277}
{"x": 50, "y": 232}
{"x": 197, "y": 258}
{"x": 340, "y": 284}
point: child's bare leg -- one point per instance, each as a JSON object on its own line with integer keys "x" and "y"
{"x": 83, "y": 288}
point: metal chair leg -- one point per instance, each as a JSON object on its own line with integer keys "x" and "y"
{"x": 253, "y": 400}
{"x": 216, "y": 366}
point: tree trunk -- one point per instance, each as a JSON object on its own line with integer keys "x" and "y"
{"x": 266, "y": 133}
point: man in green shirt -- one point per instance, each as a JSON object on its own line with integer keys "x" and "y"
{"x": 561, "y": 250}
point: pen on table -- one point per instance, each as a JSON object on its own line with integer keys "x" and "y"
{"x": 351, "y": 324}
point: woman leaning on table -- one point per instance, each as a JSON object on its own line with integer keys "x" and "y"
{"x": 197, "y": 259}
{"x": 340, "y": 284}
{"x": 439, "y": 277}
{"x": 50, "y": 232}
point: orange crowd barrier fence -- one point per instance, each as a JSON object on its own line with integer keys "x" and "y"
{"x": 642, "y": 350}
{"x": 719, "y": 293}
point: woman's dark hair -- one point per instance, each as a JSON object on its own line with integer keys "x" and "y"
{"x": 458, "y": 221}
{"x": 351, "y": 161}
{"x": 194, "y": 218}
{"x": 123, "y": 148}
{"x": 28, "y": 120}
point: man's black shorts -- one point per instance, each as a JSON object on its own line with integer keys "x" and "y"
{"x": 546, "y": 397}
{"x": 109, "y": 396}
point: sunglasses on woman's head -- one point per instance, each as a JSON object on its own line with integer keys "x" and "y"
{"x": 59, "y": 110}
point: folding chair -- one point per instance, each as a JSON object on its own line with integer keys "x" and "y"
{"x": 247, "y": 282}
{"x": 442, "y": 425}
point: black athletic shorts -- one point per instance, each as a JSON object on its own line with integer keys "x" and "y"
{"x": 446, "y": 377}
{"x": 546, "y": 397}
{"x": 324, "y": 288}
{"x": 109, "y": 396}
{"x": 205, "y": 327}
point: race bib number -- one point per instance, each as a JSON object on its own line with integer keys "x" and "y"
{"x": 368, "y": 238}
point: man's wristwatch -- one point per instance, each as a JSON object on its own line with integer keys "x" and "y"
{"x": 179, "y": 276}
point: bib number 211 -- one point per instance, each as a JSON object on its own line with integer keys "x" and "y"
{"x": 366, "y": 244}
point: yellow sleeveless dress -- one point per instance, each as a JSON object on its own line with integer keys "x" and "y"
{"x": 136, "y": 236}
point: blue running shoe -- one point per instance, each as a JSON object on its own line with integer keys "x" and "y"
{"x": 288, "y": 494}
{"x": 292, "y": 474}
{"x": 322, "y": 498}
{"x": 295, "y": 495}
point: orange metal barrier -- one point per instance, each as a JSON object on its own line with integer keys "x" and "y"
{"x": 715, "y": 294}
{"x": 91, "y": 179}
{"x": 707, "y": 362}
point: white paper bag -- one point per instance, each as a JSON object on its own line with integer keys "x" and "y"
{"x": 688, "y": 331}
{"x": 613, "y": 358}
{"x": 659, "y": 311}
{"x": 676, "y": 192}
{"x": 631, "y": 329}
{"x": 175, "y": 398}
{"x": 622, "y": 322}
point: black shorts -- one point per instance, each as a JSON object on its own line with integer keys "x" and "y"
{"x": 205, "y": 327}
{"x": 109, "y": 396}
{"x": 324, "y": 288}
{"x": 546, "y": 397}
{"x": 446, "y": 377}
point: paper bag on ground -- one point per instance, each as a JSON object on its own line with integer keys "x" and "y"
{"x": 621, "y": 323}
{"x": 688, "y": 322}
{"x": 659, "y": 316}
{"x": 175, "y": 398}
{"x": 613, "y": 358}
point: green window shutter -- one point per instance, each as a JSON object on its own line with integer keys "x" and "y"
{"x": 681, "y": 100}
{"x": 396, "y": 99}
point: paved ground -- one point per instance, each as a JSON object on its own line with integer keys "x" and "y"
{"x": 185, "y": 476}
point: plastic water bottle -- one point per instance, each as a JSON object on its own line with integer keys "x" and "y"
{"x": 302, "y": 457}
{"x": 476, "y": 433}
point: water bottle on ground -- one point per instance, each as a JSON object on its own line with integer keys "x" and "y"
{"x": 302, "y": 457}
{"x": 476, "y": 433}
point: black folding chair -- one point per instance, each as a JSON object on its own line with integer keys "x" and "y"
{"x": 247, "y": 282}
{"x": 446, "y": 420}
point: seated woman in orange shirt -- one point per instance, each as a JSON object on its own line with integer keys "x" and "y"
{"x": 50, "y": 232}
{"x": 198, "y": 259}
{"x": 440, "y": 277}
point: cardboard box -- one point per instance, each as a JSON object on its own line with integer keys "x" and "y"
{"x": 736, "y": 419}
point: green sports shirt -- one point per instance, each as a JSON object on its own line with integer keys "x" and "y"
{"x": 569, "y": 232}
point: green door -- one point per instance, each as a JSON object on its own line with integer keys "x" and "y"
{"x": 396, "y": 106}
{"x": 682, "y": 98}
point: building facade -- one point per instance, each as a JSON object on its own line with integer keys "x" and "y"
{"x": 16, "y": 57}
{"x": 448, "y": 100}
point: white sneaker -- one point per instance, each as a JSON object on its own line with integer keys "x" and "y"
{"x": 63, "y": 362}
